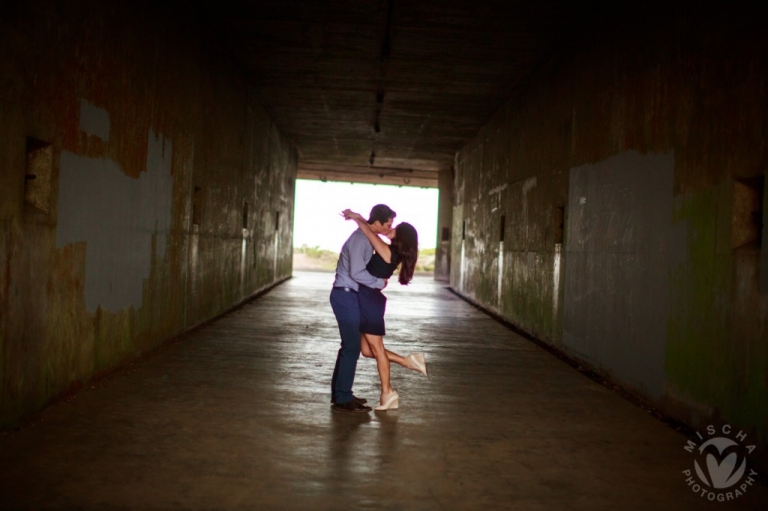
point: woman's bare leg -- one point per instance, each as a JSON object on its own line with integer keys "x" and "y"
{"x": 376, "y": 345}
{"x": 365, "y": 348}
{"x": 400, "y": 360}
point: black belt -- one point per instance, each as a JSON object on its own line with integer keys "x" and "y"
{"x": 347, "y": 289}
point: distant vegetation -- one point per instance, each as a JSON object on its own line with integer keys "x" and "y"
{"x": 316, "y": 258}
{"x": 426, "y": 262}
{"x": 315, "y": 252}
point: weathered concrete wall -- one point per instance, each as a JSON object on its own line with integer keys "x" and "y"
{"x": 647, "y": 144}
{"x": 620, "y": 250}
{"x": 444, "y": 225}
{"x": 146, "y": 144}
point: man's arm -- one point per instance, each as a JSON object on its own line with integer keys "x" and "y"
{"x": 359, "y": 255}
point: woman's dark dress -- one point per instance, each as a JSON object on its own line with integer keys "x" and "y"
{"x": 372, "y": 301}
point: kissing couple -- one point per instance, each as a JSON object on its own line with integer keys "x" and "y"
{"x": 363, "y": 270}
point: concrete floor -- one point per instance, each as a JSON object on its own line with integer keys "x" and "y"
{"x": 237, "y": 416}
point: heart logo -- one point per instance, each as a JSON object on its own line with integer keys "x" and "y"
{"x": 720, "y": 465}
{"x": 723, "y": 474}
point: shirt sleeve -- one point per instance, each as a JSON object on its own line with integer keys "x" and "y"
{"x": 360, "y": 252}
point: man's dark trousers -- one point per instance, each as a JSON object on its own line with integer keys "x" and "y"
{"x": 347, "y": 312}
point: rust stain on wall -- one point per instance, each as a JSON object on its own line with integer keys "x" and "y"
{"x": 140, "y": 116}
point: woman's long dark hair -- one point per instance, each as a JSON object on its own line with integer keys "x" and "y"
{"x": 406, "y": 242}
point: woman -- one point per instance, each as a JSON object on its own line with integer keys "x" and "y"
{"x": 403, "y": 252}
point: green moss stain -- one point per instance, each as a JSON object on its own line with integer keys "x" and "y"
{"x": 708, "y": 360}
{"x": 528, "y": 295}
{"x": 752, "y": 408}
{"x": 697, "y": 358}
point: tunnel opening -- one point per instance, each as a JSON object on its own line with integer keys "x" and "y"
{"x": 319, "y": 231}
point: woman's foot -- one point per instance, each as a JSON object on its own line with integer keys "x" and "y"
{"x": 390, "y": 402}
{"x": 418, "y": 363}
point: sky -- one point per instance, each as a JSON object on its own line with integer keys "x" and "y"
{"x": 317, "y": 220}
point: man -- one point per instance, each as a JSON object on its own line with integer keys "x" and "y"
{"x": 350, "y": 272}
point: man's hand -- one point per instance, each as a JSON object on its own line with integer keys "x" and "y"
{"x": 386, "y": 281}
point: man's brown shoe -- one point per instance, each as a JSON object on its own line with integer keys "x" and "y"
{"x": 351, "y": 406}
{"x": 360, "y": 400}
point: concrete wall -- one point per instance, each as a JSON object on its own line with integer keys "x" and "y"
{"x": 444, "y": 225}
{"x": 630, "y": 176}
{"x": 145, "y": 144}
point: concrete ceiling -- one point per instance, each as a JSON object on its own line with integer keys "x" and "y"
{"x": 387, "y": 91}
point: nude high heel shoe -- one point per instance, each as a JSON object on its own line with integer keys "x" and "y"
{"x": 417, "y": 359}
{"x": 392, "y": 403}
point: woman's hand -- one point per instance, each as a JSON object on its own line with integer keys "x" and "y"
{"x": 348, "y": 214}
{"x": 378, "y": 245}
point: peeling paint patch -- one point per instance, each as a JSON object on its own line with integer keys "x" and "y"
{"x": 117, "y": 217}
{"x": 619, "y": 254}
{"x": 500, "y": 277}
{"x": 94, "y": 120}
{"x": 498, "y": 189}
{"x": 528, "y": 185}
{"x": 556, "y": 279}
{"x": 462, "y": 266}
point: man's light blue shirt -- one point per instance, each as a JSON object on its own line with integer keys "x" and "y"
{"x": 354, "y": 257}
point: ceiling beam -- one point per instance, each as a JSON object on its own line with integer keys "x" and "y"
{"x": 363, "y": 174}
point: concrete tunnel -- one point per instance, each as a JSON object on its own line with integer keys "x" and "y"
{"x": 601, "y": 171}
